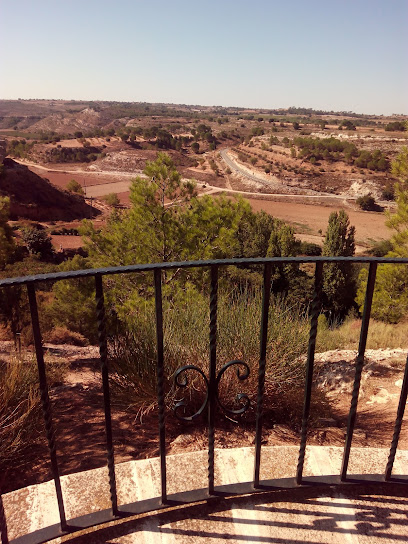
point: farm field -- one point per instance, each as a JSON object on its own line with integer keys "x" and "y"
{"x": 307, "y": 219}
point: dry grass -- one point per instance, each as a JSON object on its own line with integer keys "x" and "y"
{"x": 186, "y": 342}
{"x": 346, "y": 336}
{"x": 20, "y": 403}
{"x": 62, "y": 335}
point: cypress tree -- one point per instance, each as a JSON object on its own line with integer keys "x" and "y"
{"x": 339, "y": 285}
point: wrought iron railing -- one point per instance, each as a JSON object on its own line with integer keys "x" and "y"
{"x": 211, "y": 399}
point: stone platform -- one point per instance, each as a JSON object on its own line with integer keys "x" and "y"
{"x": 298, "y": 515}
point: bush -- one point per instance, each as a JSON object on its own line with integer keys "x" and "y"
{"x": 388, "y": 192}
{"x": 74, "y": 187}
{"x": 186, "y": 342}
{"x": 310, "y": 249}
{"x": 397, "y": 126}
{"x": 381, "y": 249}
{"x": 62, "y": 335}
{"x": 366, "y": 202}
{"x": 112, "y": 199}
{"x": 37, "y": 242}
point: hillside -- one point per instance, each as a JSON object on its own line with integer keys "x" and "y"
{"x": 33, "y": 197}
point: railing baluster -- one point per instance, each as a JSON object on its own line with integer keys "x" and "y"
{"x": 103, "y": 352}
{"x": 160, "y": 380}
{"x": 398, "y": 423}
{"x": 309, "y": 369}
{"x": 261, "y": 371}
{"x": 359, "y": 367}
{"x": 3, "y": 523}
{"x": 212, "y": 376}
{"x": 45, "y": 402}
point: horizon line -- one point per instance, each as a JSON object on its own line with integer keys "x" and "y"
{"x": 345, "y": 112}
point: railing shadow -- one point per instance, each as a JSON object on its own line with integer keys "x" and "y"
{"x": 304, "y": 515}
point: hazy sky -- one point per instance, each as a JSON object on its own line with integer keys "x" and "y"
{"x": 329, "y": 54}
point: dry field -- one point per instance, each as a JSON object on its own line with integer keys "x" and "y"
{"x": 312, "y": 218}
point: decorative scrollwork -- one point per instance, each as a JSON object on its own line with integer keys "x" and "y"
{"x": 241, "y": 397}
{"x": 181, "y": 380}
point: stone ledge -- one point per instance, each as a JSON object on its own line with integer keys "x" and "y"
{"x": 35, "y": 507}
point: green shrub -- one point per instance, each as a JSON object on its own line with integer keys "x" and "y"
{"x": 133, "y": 349}
{"x": 381, "y": 248}
{"x": 74, "y": 187}
{"x": 397, "y": 126}
{"x": 112, "y": 199}
{"x": 388, "y": 192}
{"x": 38, "y": 242}
{"x": 366, "y": 202}
{"x": 310, "y": 249}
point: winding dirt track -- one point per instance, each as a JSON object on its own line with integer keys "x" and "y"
{"x": 274, "y": 184}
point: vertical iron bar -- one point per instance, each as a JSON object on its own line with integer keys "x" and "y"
{"x": 103, "y": 352}
{"x": 3, "y": 524}
{"x": 398, "y": 423}
{"x": 45, "y": 402}
{"x": 359, "y": 367}
{"x": 212, "y": 376}
{"x": 309, "y": 369}
{"x": 160, "y": 380}
{"x": 261, "y": 370}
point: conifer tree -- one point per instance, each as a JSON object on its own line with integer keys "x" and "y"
{"x": 390, "y": 301}
{"x": 339, "y": 286}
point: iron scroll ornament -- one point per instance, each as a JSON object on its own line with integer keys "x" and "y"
{"x": 181, "y": 380}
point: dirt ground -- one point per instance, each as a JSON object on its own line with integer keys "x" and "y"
{"x": 86, "y": 179}
{"x": 77, "y": 406}
{"x": 369, "y": 225}
{"x": 66, "y": 242}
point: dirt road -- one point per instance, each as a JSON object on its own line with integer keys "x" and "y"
{"x": 274, "y": 184}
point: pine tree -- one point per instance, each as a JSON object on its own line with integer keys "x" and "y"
{"x": 390, "y": 301}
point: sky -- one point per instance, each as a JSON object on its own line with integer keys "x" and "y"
{"x": 341, "y": 55}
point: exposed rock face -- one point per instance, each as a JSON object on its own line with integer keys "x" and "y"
{"x": 2, "y": 150}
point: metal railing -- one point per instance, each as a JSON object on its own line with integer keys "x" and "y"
{"x": 164, "y": 501}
